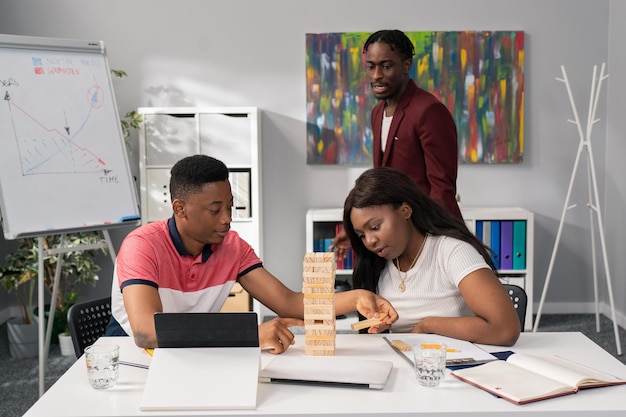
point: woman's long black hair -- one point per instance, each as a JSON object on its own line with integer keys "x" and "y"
{"x": 387, "y": 186}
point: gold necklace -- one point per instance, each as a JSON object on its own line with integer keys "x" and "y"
{"x": 396, "y": 261}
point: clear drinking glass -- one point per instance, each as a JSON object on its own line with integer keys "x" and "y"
{"x": 430, "y": 363}
{"x": 102, "y": 365}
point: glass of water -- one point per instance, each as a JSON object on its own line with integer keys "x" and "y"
{"x": 430, "y": 363}
{"x": 102, "y": 365}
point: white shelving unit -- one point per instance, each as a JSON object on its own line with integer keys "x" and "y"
{"x": 522, "y": 276}
{"x": 230, "y": 134}
{"x": 320, "y": 224}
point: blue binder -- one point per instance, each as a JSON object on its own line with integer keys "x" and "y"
{"x": 495, "y": 242}
{"x": 479, "y": 230}
{"x": 519, "y": 244}
{"x": 506, "y": 245}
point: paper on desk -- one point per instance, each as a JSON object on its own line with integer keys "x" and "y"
{"x": 460, "y": 352}
{"x": 202, "y": 379}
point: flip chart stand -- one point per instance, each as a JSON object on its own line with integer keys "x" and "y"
{"x": 595, "y": 213}
{"x": 46, "y": 334}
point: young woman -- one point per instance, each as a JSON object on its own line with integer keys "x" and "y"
{"x": 439, "y": 277}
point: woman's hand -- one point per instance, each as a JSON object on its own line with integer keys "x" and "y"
{"x": 372, "y": 305}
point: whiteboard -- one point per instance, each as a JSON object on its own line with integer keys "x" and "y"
{"x": 63, "y": 161}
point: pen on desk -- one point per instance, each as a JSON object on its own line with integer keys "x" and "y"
{"x": 136, "y": 365}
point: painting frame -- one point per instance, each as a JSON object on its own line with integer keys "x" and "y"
{"x": 478, "y": 75}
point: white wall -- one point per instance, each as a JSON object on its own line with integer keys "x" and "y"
{"x": 251, "y": 53}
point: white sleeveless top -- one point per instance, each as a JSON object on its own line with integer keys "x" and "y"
{"x": 432, "y": 285}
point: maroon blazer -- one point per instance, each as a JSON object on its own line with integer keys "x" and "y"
{"x": 422, "y": 143}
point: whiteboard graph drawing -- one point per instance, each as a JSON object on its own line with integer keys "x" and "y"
{"x": 56, "y": 149}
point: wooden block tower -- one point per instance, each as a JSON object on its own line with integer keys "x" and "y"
{"x": 319, "y": 303}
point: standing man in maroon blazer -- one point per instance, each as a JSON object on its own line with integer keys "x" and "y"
{"x": 413, "y": 131}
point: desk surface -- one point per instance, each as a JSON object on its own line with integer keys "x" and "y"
{"x": 72, "y": 395}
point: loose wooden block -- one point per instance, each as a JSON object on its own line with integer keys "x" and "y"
{"x": 364, "y": 324}
{"x": 401, "y": 345}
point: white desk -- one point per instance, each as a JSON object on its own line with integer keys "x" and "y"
{"x": 71, "y": 395}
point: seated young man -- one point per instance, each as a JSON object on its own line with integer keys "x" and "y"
{"x": 189, "y": 262}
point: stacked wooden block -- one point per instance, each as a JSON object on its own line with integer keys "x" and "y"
{"x": 319, "y": 303}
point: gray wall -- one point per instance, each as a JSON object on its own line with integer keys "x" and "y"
{"x": 251, "y": 53}
{"x": 615, "y": 170}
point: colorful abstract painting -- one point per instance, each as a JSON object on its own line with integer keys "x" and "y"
{"x": 478, "y": 75}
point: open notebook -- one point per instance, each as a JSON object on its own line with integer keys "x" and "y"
{"x": 525, "y": 378}
{"x": 327, "y": 370}
{"x": 211, "y": 361}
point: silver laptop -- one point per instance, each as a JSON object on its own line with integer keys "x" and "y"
{"x": 327, "y": 370}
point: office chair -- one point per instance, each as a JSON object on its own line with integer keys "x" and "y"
{"x": 87, "y": 322}
{"x": 519, "y": 298}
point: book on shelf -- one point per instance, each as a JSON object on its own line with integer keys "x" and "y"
{"x": 524, "y": 378}
{"x": 323, "y": 244}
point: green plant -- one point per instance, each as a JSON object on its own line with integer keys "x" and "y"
{"x": 18, "y": 274}
{"x": 20, "y": 271}
{"x": 131, "y": 119}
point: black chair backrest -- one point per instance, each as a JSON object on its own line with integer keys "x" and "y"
{"x": 87, "y": 322}
{"x": 519, "y": 298}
